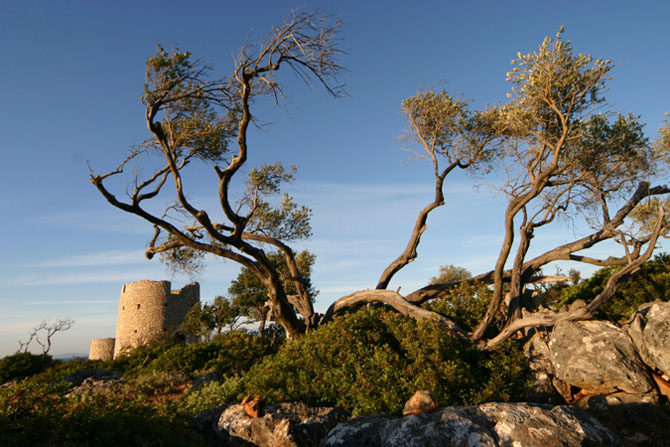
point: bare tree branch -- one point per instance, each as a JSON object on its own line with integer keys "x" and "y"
{"x": 397, "y": 302}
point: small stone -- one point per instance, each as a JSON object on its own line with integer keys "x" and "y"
{"x": 253, "y": 407}
{"x": 421, "y": 402}
{"x": 663, "y": 385}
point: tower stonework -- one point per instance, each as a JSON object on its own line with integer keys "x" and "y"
{"x": 101, "y": 349}
{"x": 149, "y": 310}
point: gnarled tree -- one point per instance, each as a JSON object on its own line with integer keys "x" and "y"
{"x": 194, "y": 117}
{"x": 564, "y": 155}
{"x": 561, "y": 152}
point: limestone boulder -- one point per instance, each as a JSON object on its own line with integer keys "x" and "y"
{"x": 598, "y": 357}
{"x": 280, "y": 425}
{"x": 649, "y": 328}
{"x": 487, "y": 425}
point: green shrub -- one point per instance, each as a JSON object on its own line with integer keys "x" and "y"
{"x": 373, "y": 360}
{"x": 238, "y": 351}
{"x": 138, "y": 360}
{"x": 212, "y": 395}
{"x": 23, "y": 364}
{"x": 40, "y": 415}
{"x": 155, "y": 383}
{"x": 185, "y": 359}
{"x": 650, "y": 283}
{"x": 60, "y": 369}
{"x": 502, "y": 375}
{"x": 465, "y": 304}
{"x": 229, "y": 353}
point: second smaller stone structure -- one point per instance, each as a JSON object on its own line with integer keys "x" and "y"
{"x": 101, "y": 349}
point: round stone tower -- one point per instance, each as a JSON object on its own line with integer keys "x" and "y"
{"x": 149, "y": 310}
{"x": 101, "y": 349}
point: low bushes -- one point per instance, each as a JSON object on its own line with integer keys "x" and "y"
{"x": 40, "y": 415}
{"x": 373, "y": 360}
{"x": 368, "y": 361}
{"x": 651, "y": 282}
{"x": 229, "y": 353}
{"x": 23, "y": 364}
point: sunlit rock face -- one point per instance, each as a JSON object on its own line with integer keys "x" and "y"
{"x": 487, "y": 425}
{"x": 598, "y": 357}
{"x": 280, "y": 425}
{"x": 649, "y": 329}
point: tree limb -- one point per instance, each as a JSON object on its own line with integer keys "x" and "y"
{"x": 397, "y": 302}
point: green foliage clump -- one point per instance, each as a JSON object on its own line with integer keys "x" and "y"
{"x": 502, "y": 374}
{"x": 650, "y": 283}
{"x": 61, "y": 368}
{"x": 213, "y": 394}
{"x": 231, "y": 352}
{"x": 41, "y": 415}
{"x": 23, "y": 364}
{"x": 156, "y": 383}
{"x": 185, "y": 358}
{"x": 465, "y": 304}
{"x": 373, "y": 360}
{"x": 203, "y": 319}
{"x": 137, "y": 360}
{"x": 239, "y": 350}
{"x": 450, "y": 273}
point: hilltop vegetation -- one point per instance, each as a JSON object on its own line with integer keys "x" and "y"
{"x": 366, "y": 362}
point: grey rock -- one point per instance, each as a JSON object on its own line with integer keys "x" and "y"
{"x": 603, "y": 402}
{"x": 598, "y": 357}
{"x": 546, "y": 387}
{"x": 487, "y": 425}
{"x": 91, "y": 385}
{"x": 649, "y": 328}
{"x": 449, "y": 427}
{"x": 15, "y": 381}
{"x": 76, "y": 378}
{"x": 281, "y": 425}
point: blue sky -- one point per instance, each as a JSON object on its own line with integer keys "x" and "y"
{"x": 70, "y": 80}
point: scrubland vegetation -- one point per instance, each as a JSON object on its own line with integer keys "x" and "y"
{"x": 367, "y": 361}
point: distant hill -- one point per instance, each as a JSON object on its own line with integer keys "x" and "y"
{"x": 70, "y": 356}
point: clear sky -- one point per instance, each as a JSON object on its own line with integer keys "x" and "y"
{"x": 72, "y": 72}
